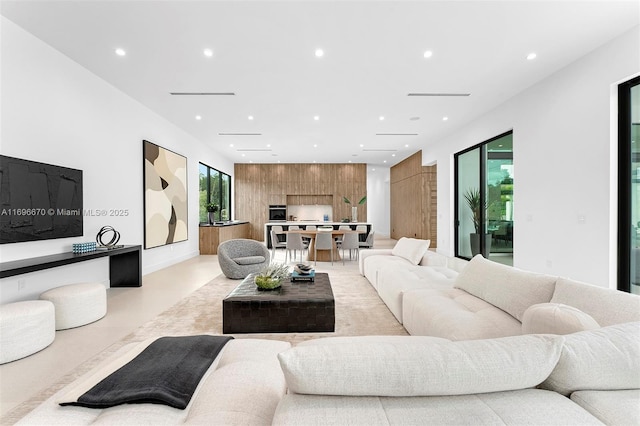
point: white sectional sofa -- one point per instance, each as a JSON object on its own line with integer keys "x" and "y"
{"x": 436, "y": 296}
{"x": 585, "y": 378}
{"x": 242, "y": 387}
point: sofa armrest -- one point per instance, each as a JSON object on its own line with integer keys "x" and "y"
{"x": 371, "y": 252}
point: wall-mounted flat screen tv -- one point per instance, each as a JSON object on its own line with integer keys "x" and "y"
{"x": 38, "y": 201}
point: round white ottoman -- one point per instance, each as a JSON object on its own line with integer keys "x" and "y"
{"x": 25, "y": 328}
{"x": 77, "y": 304}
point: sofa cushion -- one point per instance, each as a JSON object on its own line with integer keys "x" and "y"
{"x": 374, "y": 264}
{"x": 249, "y": 260}
{"x": 394, "y": 283}
{"x": 456, "y": 315}
{"x": 607, "y": 358}
{"x": 619, "y": 407}
{"x": 411, "y": 249}
{"x": 606, "y": 306}
{"x": 420, "y": 367}
{"x": 510, "y": 289}
{"x": 556, "y": 318}
{"x": 521, "y": 407}
{"x": 432, "y": 258}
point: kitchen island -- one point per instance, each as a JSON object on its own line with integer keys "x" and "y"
{"x": 212, "y": 235}
{"x": 304, "y": 224}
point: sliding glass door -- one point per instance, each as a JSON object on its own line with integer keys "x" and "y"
{"x": 484, "y": 200}
{"x": 629, "y": 186}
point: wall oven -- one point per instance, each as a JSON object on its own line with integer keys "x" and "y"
{"x": 277, "y": 213}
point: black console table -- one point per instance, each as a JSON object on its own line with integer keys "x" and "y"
{"x": 125, "y": 265}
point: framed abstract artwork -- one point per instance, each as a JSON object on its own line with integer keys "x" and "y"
{"x": 165, "y": 196}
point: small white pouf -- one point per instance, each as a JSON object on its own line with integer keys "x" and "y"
{"x": 77, "y": 304}
{"x": 25, "y": 328}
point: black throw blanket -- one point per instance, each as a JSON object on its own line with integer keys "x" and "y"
{"x": 166, "y": 372}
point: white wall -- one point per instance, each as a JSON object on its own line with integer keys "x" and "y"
{"x": 562, "y": 148}
{"x": 379, "y": 199}
{"x": 55, "y": 111}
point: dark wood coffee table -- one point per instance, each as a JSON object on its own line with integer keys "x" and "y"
{"x": 294, "y": 307}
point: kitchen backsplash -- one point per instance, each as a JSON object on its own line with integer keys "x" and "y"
{"x": 315, "y": 212}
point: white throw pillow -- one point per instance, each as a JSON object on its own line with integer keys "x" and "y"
{"x": 411, "y": 249}
{"x": 510, "y": 289}
{"x": 419, "y": 367}
{"x": 556, "y": 318}
{"x": 604, "y": 359}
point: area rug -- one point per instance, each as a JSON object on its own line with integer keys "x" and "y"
{"x": 359, "y": 311}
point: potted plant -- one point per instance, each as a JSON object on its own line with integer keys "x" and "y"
{"x": 212, "y": 209}
{"x": 472, "y": 196}
{"x": 354, "y": 209}
{"x": 271, "y": 277}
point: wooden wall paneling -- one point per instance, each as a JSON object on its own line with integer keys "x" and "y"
{"x": 259, "y": 185}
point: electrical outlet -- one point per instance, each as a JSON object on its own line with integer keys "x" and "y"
{"x": 22, "y": 284}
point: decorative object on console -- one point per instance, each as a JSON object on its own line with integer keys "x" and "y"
{"x": 165, "y": 196}
{"x": 39, "y": 201}
{"x": 113, "y": 243}
{"x": 271, "y": 277}
{"x": 83, "y": 247}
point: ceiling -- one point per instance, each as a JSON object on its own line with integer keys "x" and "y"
{"x": 264, "y": 53}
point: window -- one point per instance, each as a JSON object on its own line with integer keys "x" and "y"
{"x": 629, "y": 186}
{"x": 215, "y": 188}
{"x": 484, "y": 200}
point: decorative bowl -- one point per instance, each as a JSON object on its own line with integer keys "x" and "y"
{"x": 267, "y": 283}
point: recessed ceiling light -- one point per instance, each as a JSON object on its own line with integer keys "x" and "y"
{"x": 350, "y": 161}
{"x": 316, "y": 117}
{"x": 250, "y": 117}
{"x": 120, "y": 52}
{"x": 268, "y": 145}
{"x": 231, "y": 145}
{"x": 445, "y": 118}
{"x": 531, "y": 56}
{"x": 373, "y": 170}
{"x": 208, "y": 53}
{"x": 315, "y": 145}
{"x": 393, "y": 155}
{"x": 406, "y": 145}
{"x": 314, "y": 161}
{"x": 319, "y": 53}
{"x": 384, "y": 161}
{"x": 428, "y": 54}
{"x": 361, "y": 145}
{"x": 381, "y": 118}
{"x": 243, "y": 155}
{"x": 198, "y": 117}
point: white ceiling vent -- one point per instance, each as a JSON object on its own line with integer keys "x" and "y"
{"x": 439, "y": 94}
{"x": 202, "y": 93}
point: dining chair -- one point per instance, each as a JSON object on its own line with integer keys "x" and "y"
{"x": 350, "y": 242}
{"x": 324, "y": 241}
{"x": 368, "y": 243}
{"x": 295, "y": 243}
{"x": 308, "y": 228}
{"x": 363, "y": 232}
{"x": 342, "y": 228}
{"x": 294, "y": 228}
{"x": 276, "y": 243}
